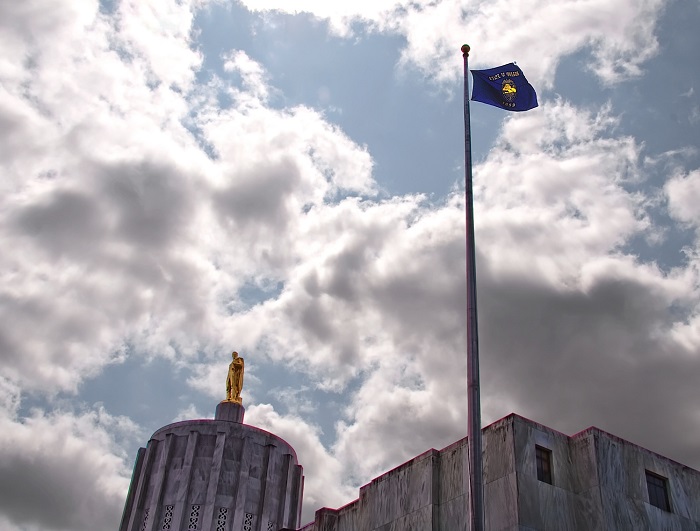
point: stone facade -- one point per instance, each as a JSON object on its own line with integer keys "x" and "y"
{"x": 223, "y": 475}
{"x": 596, "y": 482}
{"x": 214, "y": 475}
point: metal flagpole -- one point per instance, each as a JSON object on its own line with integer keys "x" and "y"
{"x": 476, "y": 485}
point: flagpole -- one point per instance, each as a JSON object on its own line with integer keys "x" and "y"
{"x": 476, "y": 485}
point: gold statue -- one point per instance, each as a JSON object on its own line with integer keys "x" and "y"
{"x": 234, "y": 380}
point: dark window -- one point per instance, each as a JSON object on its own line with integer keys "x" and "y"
{"x": 658, "y": 491}
{"x": 544, "y": 464}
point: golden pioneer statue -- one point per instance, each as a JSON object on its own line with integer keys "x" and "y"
{"x": 234, "y": 380}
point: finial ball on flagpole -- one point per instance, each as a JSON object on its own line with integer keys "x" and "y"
{"x": 465, "y": 49}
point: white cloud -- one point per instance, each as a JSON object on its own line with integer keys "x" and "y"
{"x": 538, "y": 34}
{"x": 323, "y": 480}
{"x": 126, "y": 232}
{"x": 340, "y": 14}
{"x": 683, "y": 193}
{"x": 63, "y": 470}
{"x": 159, "y": 31}
{"x": 188, "y": 413}
{"x": 252, "y": 73}
{"x": 378, "y": 300}
{"x": 129, "y": 233}
{"x": 556, "y": 184}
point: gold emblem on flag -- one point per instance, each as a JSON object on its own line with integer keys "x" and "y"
{"x": 508, "y": 90}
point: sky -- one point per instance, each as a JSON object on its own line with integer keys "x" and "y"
{"x": 184, "y": 178}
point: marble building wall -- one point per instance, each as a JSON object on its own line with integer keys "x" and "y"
{"x": 622, "y": 470}
{"x": 598, "y": 484}
{"x": 214, "y": 475}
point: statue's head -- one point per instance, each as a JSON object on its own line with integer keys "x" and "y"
{"x": 234, "y": 355}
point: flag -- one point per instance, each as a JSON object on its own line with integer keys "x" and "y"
{"x": 505, "y": 87}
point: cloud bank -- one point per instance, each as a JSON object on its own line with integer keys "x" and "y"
{"x": 142, "y": 201}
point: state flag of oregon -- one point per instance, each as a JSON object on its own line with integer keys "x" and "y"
{"x": 505, "y": 87}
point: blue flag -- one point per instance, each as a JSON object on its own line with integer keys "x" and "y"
{"x": 505, "y": 87}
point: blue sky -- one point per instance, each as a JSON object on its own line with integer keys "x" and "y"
{"x": 182, "y": 179}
